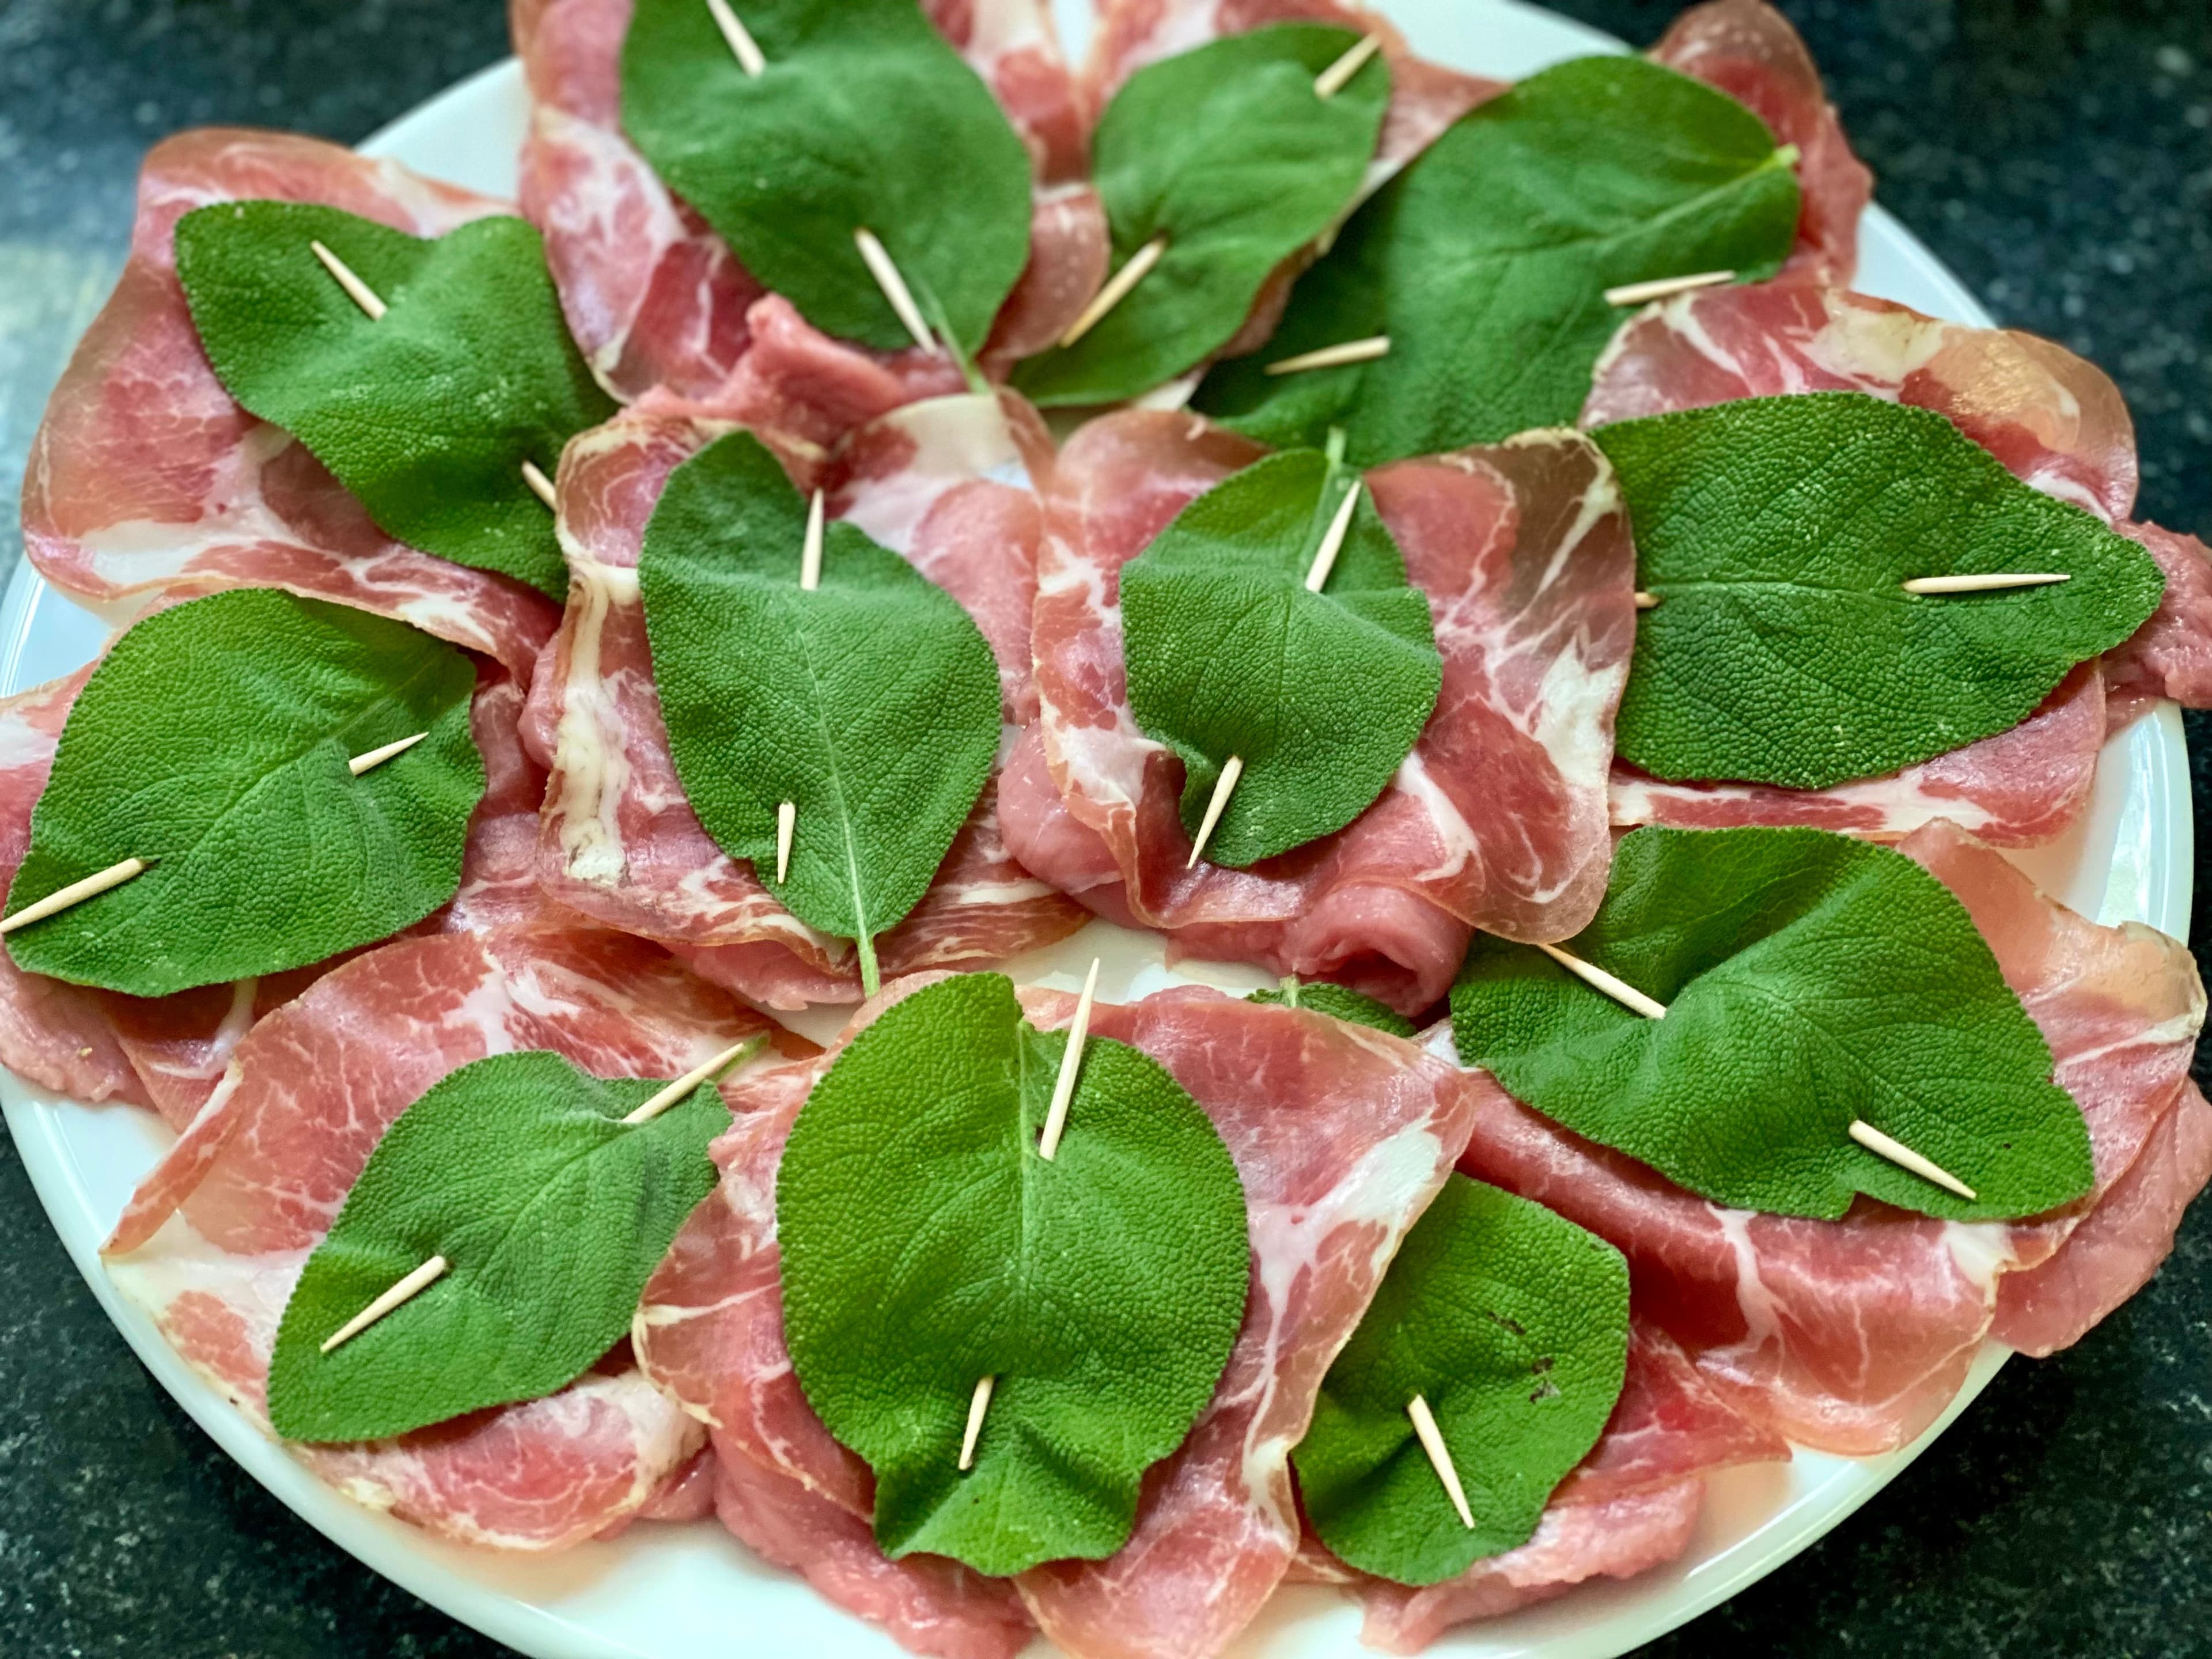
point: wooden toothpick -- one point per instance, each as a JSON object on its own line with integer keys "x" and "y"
{"x": 1865, "y": 1133}
{"x": 1232, "y": 769}
{"x": 1331, "y": 542}
{"x": 741, "y": 43}
{"x": 1661, "y": 288}
{"x": 1335, "y": 356}
{"x": 1071, "y": 1064}
{"x": 1338, "y": 76}
{"x": 879, "y": 261}
{"x": 366, "y": 297}
{"x": 1117, "y": 289}
{"x": 810, "y": 551}
{"x": 978, "y": 1404}
{"x": 122, "y": 870}
{"x": 1982, "y": 584}
{"x": 1432, "y": 1442}
{"x": 682, "y": 1088}
{"x": 405, "y": 1290}
{"x": 1645, "y": 601}
{"x": 787, "y": 820}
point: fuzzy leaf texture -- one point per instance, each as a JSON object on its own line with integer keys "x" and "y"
{"x": 1776, "y": 533}
{"x": 925, "y": 1244}
{"x": 213, "y": 739}
{"x": 552, "y": 1212}
{"x": 871, "y": 703}
{"x": 1338, "y": 1002}
{"x": 1512, "y": 1323}
{"x": 1323, "y": 694}
{"x": 1809, "y": 979}
{"x": 1228, "y": 152}
{"x": 427, "y": 414}
{"x": 1487, "y": 261}
{"x": 864, "y": 118}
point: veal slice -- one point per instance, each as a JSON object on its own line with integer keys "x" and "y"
{"x": 218, "y": 1232}
{"x": 146, "y": 481}
{"x": 1851, "y": 1336}
{"x": 1497, "y": 820}
{"x": 945, "y": 484}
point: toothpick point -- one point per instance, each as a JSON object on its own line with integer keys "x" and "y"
{"x": 405, "y": 1290}
{"x": 1905, "y": 1158}
{"x": 1432, "y": 1442}
{"x": 1070, "y": 1065}
{"x": 978, "y": 1404}
{"x": 1232, "y": 769}
{"x": 1335, "y": 356}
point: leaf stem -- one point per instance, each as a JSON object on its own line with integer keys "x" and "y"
{"x": 872, "y": 977}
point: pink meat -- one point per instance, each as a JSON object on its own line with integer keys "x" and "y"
{"x": 1851, "y": 1335}
{"x": 145, "y": 480}
{"x": 1749, "y": 50}
{"x": 1630, "y": 1506}
{"x": 656, "y": 299}
{"x": 1341, "y": 1135}
{"x": 1497, "y": 820}
{"x": 2171, "y": 655}
{"x": 168, "y": 1053}
{"x": 943, "y": 482}
{"x": 214, "y": 1238}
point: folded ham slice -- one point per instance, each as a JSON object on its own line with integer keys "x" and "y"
{"x": 216, "y": 1236}
{"x": 168, "y": 1053}
{"x": 1342, "y": 1136}
{"x": 1632, "y": 1504}
{"x": 146, "y": 481}
{"x": 945, "y": 482}
{"x": 656, "y": 299}
{"x": 2055, "y": 420}
{"x": 1497, "y": 818}
{"x": 1851, "y": 1335}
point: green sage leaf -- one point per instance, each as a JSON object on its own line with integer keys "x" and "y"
{"x": 863, "y": 118}
{"x": 1227, "y": 152}
{"x": 1487, "y": 261}
{"x": 871, "y": 703}
{"x": 1809, "y": 980}
{"x": 552, "y": 1213}
{"x": 213, "y": 739}
{"x": 1338, "y": 1002}
{"x": 1322, "y": 695}
{"x": 427, "y": 414}
{"x": 1512, "y": 1323}
{"x": 926, "y": 1245}
{"x": 1777, "y": 531}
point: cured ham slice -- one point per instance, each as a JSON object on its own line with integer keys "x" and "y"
{"x": 1342, "y": 1136}
{"x": 943, "y": 482}
{"x": 1749, "y": 50}
{"x": 168, "y": 1053}
{"x": 2171, "y": 655}
{"x": 1497, "y": 818}
{"x": 1850, "y": 1335}
{"x": 146, "y": 481}
{"x": 656, "y": 299}
{"x": 214, "y": 1239}
{"x": 1630, "y": 1506}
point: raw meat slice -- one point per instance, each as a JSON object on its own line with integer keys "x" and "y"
{"x": 619, "y": 842}
{"x": 2019, "y": 788}
{"x": 146, "y": 482}
{"x": 1497, "y": 820}
{"x": 1749, "y": 50}
{"x": 656, "y": 298}
{"x": 1630, "y": 1506}
{"x": 1341, "y": 1135}
{"x": 216, "y": 1236}
{"x": 2171, "y": 655}
{"x": 1851, "y": 1336}
{"x": 168, "y": 1053}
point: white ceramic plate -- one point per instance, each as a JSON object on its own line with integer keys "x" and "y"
{"x": 673, "y": 1592}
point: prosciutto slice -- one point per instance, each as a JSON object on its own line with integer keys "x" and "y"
{"x": 943, "y": 482}
{"x": 1497, "y": 818}
{"x": 168, "y": 1053}
{"x": 2055, "y": 420}
{"x": 146, "y": 481}
{"x": 1631, "y": 1505}
{"x": 1850, "y": 1335}
{"x": 214, "y": 1239}
{"x": 1342, "y": 1136}
{"x": 656, "y": 299}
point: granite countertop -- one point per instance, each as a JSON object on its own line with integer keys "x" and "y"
{"x": 2057, "y": 154}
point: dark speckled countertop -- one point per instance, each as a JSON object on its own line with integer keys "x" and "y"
{"x": 2057, "y": 154}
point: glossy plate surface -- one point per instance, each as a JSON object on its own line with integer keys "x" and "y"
{"x": 679, "y": 1592}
